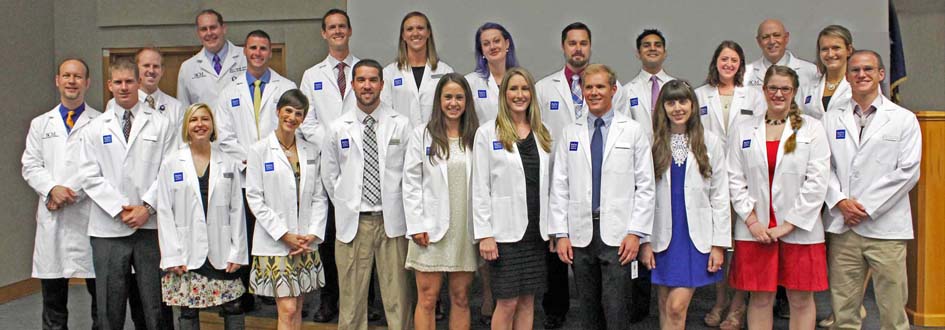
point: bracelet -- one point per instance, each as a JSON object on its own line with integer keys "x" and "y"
{"x": 752, "y": 224}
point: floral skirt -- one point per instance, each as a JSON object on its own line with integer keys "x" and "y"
{"x": 197, "y": 291}
{"x": 286, "y": 276}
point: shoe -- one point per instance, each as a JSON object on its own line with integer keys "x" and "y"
{"x": 325, "y": 313}
{"x": 374, "y": 314}
{"x": 782, "y": 309}
{"x": 440, "y": 310}
{"x": 554, "y": 321}
{"x": 714, "y": 317}
{"x": 248, "y": 303}
{"x": 734, "y": 320}
{"x": 827, "y": 322}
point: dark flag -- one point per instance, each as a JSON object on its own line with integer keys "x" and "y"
{"x": 897, "y": 61}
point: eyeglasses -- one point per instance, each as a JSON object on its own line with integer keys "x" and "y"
{"x": 773, "y": 90}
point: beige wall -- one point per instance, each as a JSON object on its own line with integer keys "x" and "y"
{"x": 26, "y": 91}
{"x": 923, "y": 32}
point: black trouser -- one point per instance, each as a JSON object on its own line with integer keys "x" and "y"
{"x": 556, "y": 301}
{"x": 640, "y": 295}
{"x": 113, "y": 258}
{"x": 247, "y": 300}
{"x": 602, "y": 284}
{"x": 56, "y": 301}
{"x": 137, "y": 312}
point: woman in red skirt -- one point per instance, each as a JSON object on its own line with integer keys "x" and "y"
{"x": 778, "y": 172}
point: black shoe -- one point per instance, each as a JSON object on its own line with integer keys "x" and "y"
{"x": 268, "y": 300}
{"x": 374, "y": 314}
{"x": 554, "y": 321}
{"x": 325, "y": 313}
{"x": 248, "y": 303}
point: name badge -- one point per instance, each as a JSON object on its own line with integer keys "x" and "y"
{"x": 807, "y": 99}
{"x": 428, "y": 151}
{"x": 50, "y": 135}
{"x": 746, "y": 144}
{"x": 703, "y": 110}
{"x": 394, "y": 142}
{"x": 748, "y": 112}
{"x": 482, "y": 93}
{"x": 107, "y": 139}
{"x": 398, "y": 81}
{"x": 554, "y": 105}
{"x": 496, "y": 145}
{"x": 634, "y": 102}
{"x": 318, "y": 85}
{"x": 235, "y": 102}
{"x": 841, "y": 134}
{"x": 311, "y": 162}
{"x": 178, "y": 176}
{"x": 345, "y": 144}
{"x": 269, "y": 166}
{"x": 227, "y": 175}
{"x": 436, "y": 76}
{"x": 573, "y": 146}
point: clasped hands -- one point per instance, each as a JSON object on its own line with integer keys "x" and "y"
{"x": 60, "y": 196}
{"x": 298, "y": 243}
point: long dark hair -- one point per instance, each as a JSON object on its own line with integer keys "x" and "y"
{"x": 714, "y": 79}
{"x": 468, "y": 122}
{"x": 676, "y": 90}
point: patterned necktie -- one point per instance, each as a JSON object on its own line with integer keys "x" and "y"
{"x": 150, "y": 101}
{"x": 126, "y": 128}
{"x": 372, "y": 178}
{"x": 597, "y": 159}
{"x": 576, "y": 95}
{"x": 655, "y": 92}
{"x": 69, "y": 121}
{"x": 217, "y": 66}
{"x": 257, "y": 99}
{"x": 341, "y": 79}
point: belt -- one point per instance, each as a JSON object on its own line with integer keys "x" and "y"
{"x": 595, "y": 215}
{"x": 372, "y": 214}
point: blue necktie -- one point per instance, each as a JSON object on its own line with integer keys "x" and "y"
{"x": 597, "y": 158}
{"x": 216, "y": 64}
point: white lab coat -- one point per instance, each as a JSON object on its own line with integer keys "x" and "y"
{"x": 812, "y": 105}
{"x": 556, "y": 104}
{"x": 800, "y": 179}
{"x": 165, "y": 105}
{"x": 807, "y": 73}
{"x": 498, "y": 189}
{"x": 343, "y": 169}
{"x": 626, "y": 196}
{"x": 878, "y": 171}
{"x": 280, "y": 205}
{"x": 426, "y": 189}
{"x": 119, "y": 172}
{"x": 401, "y": 92}
{"x": 187, "y": 236}
{"x": 639, "y": 99}
{"x": 51, "y": 157}
{"x": 236, "y": 122}
{"x": 485, "y": 93}
{"x": 707, "y": 203}
{"x": 320, "y": 84}
{"x": 197, "y": 82}
{"x": 748, "y": 104}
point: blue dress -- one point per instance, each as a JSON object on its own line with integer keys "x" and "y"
{"x": 681, "y": 264}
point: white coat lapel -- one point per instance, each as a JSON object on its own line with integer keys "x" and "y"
{"x": 84, "y": 119}
{"x": 561, "y": 84}
{"x": 818, "y": 94}
{"x": 849, "y": 124}
{"x": 384, "y": 131}
{"x": 230, "y": 60}
{"x": 55, "y": 124}
{"x": 613, "y": 135}
{"x": 113, "y": 125}
{"x": 139, "y": 123}
{"x": 785, "y": 134}
{"x": 738, "y": 103}
{"x": 715, "y": 103}
{"x": 216, "y": 161}
{"x": 584, "y": 144}
{"x": 880, "y": 118}
{"x": 410, "y": 84}
{"x": 186, "y": 161}
{"x": 272, "y": 90}
{"x": 329, "y": 78}
{"x": 354, "y": 130}
{"x": 276, "y": 149}
{"x": 303, "y": 164}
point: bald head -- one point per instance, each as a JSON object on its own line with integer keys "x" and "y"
{"x": 772, "y": 39}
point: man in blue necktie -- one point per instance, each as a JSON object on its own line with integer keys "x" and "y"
{"x": 602, "y": 201}
{"x": 202, "y": 76}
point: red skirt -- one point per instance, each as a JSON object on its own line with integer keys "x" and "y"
{"x": 762, "y": 267}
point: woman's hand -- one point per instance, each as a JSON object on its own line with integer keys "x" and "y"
{"x": 758, "y": 231}
{"x": 231, "y": 267}
{"x": 783, "y": 229}
{"x": 716, "y": 259}
{"x": 297, "y": 244}
{"x": 422, "y": 239}
{"x": 179, "y": 270}
{"x": 488, "y": 249}
{"x": 646, "y": 256}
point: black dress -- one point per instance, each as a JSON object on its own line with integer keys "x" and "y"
{"x": 207, "y": 268}
{"x": 520, "y": 268}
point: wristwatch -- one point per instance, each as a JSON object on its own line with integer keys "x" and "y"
{"x": 151, "y": 210}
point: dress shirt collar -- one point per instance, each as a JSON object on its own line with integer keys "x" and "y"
{"x": 221, "y": 53}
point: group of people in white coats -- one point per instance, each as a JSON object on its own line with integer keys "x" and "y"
{"x": 417, "y": 173}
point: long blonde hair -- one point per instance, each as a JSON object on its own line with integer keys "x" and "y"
{"x": 676, "y": 90}
{"x": 432, "y": 58}
{"x": 796, "y": 120}
{"x": 505, "y": 129}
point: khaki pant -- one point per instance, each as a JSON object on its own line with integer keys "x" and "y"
{"x": 849, "y": 255}
{"x": 354, "y": 260}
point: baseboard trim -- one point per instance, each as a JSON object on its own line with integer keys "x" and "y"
{"x": 19, "y": 290}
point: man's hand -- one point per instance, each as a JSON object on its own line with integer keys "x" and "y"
{"x": 628, "y": 248}
{"x": 60, "y": 196}
{"x": 134, "y": 216}
{"x": 853, "y": 212}
{"x": 565, "y": 252}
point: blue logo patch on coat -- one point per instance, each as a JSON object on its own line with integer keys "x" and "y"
{"x": 318, "y": 85}
{"x": 807, "y": 100}
{"x": 703, "y": 110}
{"x": 496, "y": 145}
{"x": 106, "y": 139}
{"x": 235, "y": 102}
{"x": 634, "y": 102}
{"x": 482, "y": 93}
{"x": 841, "y": 134}
{"x": 554, "y": 105}
{"x": 178, "y": 176}
{"x": 345, "y": 144}
{"x": 269, "y": 166}
{"x": 398, "y": 81}
{"x": 428, "y": 151}
{"x": 746, "y": 144}
{"x": 573, "y": 146}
